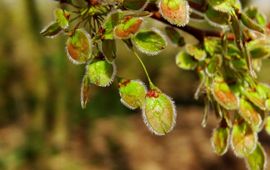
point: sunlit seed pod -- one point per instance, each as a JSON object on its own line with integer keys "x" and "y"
{"x": 51, "y": 30}
{"x": 224, "y": 95}
{"x": 128, "y": 27}
{"x": 250, "y": 114}
{"x": 213, "y": 65}
{"x": 175, "y": 11}
{"x": 85, "y": 91}
{"x": 220, "y": 140}
{"x": 101, "y": 72}
{"x": 243, "y": 139}
{"x": 159, "y": 112}
{"x": 257, "y": 159}
{"x": 79, "y": 47}
{"x": 226, "y": 6}
{"x": 132, "y": 93}
{"x": 213, "y": 45}
{"x": 150, "y": 42}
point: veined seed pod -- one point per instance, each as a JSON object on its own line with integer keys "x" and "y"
{"x": 159, "y": 112}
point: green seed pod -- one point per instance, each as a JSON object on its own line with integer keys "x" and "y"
{"x": 159, "y": 112}
{"x": 85, "y": 91}
{"x": 61, "y": 17}
{"x": 257, "y": 159}
{"x": 220, "y": 140}
{"x": 132, "y": 93}
{"x": 244, "y": 139}
{"x": 128, "y": 27}
{"x": 175, "y": 11}
{"x": 101, "y": 72}
{"x": 51, "y": 30}
{"x": 224, "y": 95}
{"x": 79, "y": 47}
{"x": 250, "y": 114}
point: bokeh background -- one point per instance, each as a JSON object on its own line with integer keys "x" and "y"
{"x": 42, "y": 126}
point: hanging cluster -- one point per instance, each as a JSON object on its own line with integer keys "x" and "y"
{"x": 227, "y": 62}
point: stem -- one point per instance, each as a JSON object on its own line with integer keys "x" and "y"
{"x": 151, "y": 84}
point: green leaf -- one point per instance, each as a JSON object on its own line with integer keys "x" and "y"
{"x": 175, "y": 11}
{"x": 109, "y": 49}
{"x": 132, "y": 93}
{"x": 52, "y": 30}
{"x": 217, "y": 18}
{"x": 61, "y": 17}
{"x": 159, "y": 112}
{"x": 212, "y": 45}
{"x": 250, "y": 114}
{"x": 79, "y": 47}
{"x": 196, "y": 52}
{"x": 253, "y": 13}
{"x": 249, "y": 23}
{"x": 220, "y": 140}
{"x": 224, "y": 95}
{"x": 185, "y": 61}
{"x": 134, "y": 4}
{"x": 110, "y": 23}
{"x": 101, "y": 72}
{"x": 257, "y": 159}
{"x": 175, "y": 36}
{"x": 227, "y": 6}
{"x": 128, "y": 27}
{"x": 149, "y": 42}
{"x": 243, "y": 139}
{"x": 85, "y": 91}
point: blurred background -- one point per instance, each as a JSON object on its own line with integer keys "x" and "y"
{"x": 42, "y": 126}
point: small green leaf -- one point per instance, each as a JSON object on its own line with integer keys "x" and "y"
{"x": 257, "y": 159}
{"x": 212, "y": 45}
{"x": 243, "y": 139}
{"x": 175, "y": 11}
{"x": 217, "y": 18}
{"x": 196, "y": 52}
{"x": 149, "y": 42}
{"x": 220, "y": 140}
{"x": 185, "y": 61}
{"x": 213, "y": 65}
{"x": 227, "y": 6}
{"x": 85, "y": 91}
{"x": 61, "y": 17}
{"x": 128, "y": 27}
{"x": 132, "y": 93}
{"x": 224, "y": 95}
{"x": 175, "y": 36}
{"x": 79, "y": 47}
{"x": 101, "y": 72}
{"x": 159, "y": 112}
{"x": 249, "y": 23}
{"x": 52, "y": 30}
{"x": 109, "y": 49}
{"x": 259, "y": 48}
{"x": 250, "y": 114}
{"x": 134, "y": 4}
{"x": 253, "y": 13}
